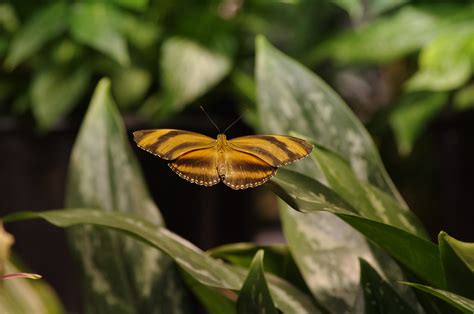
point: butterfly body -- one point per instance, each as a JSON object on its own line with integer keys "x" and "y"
{"x": 240, "y": 163}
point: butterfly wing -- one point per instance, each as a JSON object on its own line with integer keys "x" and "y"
{"x": 198, "y": 166}
{"x": 276, "y": 150}
{"x": 169, "y": 144}
{"x": 244, "y": 170}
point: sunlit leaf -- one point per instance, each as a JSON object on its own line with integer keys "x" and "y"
{"x": 6, "y": 241}
{"x": 202, "y": 267}
{"x": 412, "y": 114}
{"x": 46, "y": 24}
{"x": 95, "y": 24}
{"x": 379, "y": 295}
{"x": 103, "y": 173}
{"x": 254, "y": 297}
{"x": 458, "y": 265}
{"x": 446, "y": 63}
{"x": 464, "y": 98}
{"x": 464, "y": 304}
{"x": 55, "y": 91}
{"x": 130, "y": 85}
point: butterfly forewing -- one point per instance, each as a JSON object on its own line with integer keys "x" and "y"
{"x": 198, "y": 166}
{"x": 169, "y": 144}
{"x": 276, "y": 150}
{"x": 244, "y": 170}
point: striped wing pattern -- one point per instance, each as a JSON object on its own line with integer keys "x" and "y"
{"x": 244, "y": 170}
{"x": 276, "y": 150}
{"x": 169, "y": 144}
{"x": 198, "y": 166}
{"x": 240, "y": 163}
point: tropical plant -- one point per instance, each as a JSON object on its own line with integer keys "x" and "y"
{"x": 353, "y": 245}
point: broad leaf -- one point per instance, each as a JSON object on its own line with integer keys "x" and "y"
{"x": 254, "y": 297}
{"x": 308, "y": 195}
{"x": 206, "y": 270}
{"x": 55, "y": 91}
{"x": 103, "y": 173}
{"x": 291, "y": 98}
{"x": 412, "y": 114}
{"x": 46, "y": 24}
{"x": 458, "y": 265}
{"x": 464, "y": 304}
{"x": 189, "y": 70}
{"x": 367, "y": 200}
{"x": 379, "y": 295}
{"x": 95, "y": 24}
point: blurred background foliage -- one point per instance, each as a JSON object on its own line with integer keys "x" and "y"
{"x": 404, "y": 67}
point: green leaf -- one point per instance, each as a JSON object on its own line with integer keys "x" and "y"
{"x": 412, "y": 114}
{"x": 369, "y": 43}
{"x": 278, "y": 259}
{"x": 103, "y": 173}
{"x": 132, "y": 4}
{"x": 46, "y": 24}
{"x": 291, "y": 98}
{"x": 213, "y": 301}
{"x": 458, "y": 264}
{"x": 308, "y": 195}
{"x": 189, "y": 70}
{"x": 20, "y": 296}
{"x": 202, "y": 267}
{"x": 95, "y": 25}
{"x": 464, "y": 304}
{"x": 367, "y": 200}
{"x": 379, "y": 296}
{"x": 464, "y": 98}
{"x": 130, "y": 85}
{"x": 55, "y": 91}
{"x": 446, "y": 63}
{"x": 254, "y": 296}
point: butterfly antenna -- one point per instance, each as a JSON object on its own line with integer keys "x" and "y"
{"x": 210, "y": 119}
{"x": 230, "y": 125}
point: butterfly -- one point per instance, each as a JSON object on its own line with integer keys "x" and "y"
{"x": 241, "y": 163}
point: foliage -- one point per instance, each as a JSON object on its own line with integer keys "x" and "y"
{"x": 349, "y": 232}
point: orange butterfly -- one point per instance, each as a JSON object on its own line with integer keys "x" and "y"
{"x": 240, "y": 163}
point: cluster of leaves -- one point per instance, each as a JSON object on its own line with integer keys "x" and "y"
{"x": 160, "y": 55}
{"x": 351, "y": 239}
{"x": 441, "y": 34}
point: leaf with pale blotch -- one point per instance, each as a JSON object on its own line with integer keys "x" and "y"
{"x": 458, "y": 264}
{"x": 308, "y": 195}
{"x": 462, "y": 303}
{"x": 369, "y": 201}
{"x": 254, "y": 297}
{"x": 379, "y": 295}
{"x": 291, "y": 98}
{"x": 202, "y": 267}
{"x": 103, "y": 173}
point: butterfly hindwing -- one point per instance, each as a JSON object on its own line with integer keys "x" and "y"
{"x": 276, "y": 150}
{"x": 169, "y": 144}
{"x": 242, "y": 170}
{"x": 198, "y": 166}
